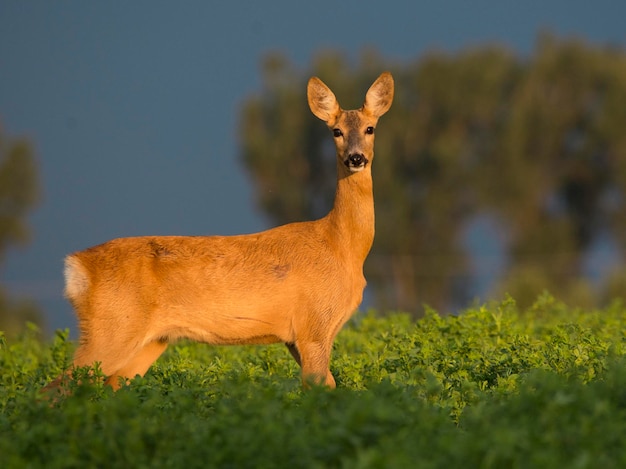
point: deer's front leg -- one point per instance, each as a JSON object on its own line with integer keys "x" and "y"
{"x": 314, "y": 358}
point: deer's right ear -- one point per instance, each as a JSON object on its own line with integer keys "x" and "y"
{"x": 322, "y": 101}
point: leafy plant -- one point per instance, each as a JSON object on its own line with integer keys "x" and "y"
{"x": 493, "y": 387}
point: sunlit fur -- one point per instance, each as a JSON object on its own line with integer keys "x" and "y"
{"x": 296, "y": 284}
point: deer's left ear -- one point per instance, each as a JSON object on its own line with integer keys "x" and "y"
{"x": 380, "y": 95}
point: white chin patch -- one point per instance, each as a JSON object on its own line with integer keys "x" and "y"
{"x": 355, "y": 168}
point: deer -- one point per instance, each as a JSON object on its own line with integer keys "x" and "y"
{"x": 297, "y": 283}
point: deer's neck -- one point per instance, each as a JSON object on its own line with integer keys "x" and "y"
{"x": 352, "y": 216}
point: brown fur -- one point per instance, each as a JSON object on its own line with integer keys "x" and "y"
{"x": 297, "y": 284}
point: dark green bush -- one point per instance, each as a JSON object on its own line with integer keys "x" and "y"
{"x": 492, "y": 387}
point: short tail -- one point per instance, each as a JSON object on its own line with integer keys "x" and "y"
{"x": 76, "y": 278}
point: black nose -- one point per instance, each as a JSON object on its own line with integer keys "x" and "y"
{"x": 356, "y": 159}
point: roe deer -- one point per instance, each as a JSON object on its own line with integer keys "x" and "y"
{"x": 297, "y": 283}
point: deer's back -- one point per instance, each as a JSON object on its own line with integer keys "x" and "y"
{"x": 262, "y": 282}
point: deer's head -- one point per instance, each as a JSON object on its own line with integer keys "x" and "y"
{"x": 353, "y": 131}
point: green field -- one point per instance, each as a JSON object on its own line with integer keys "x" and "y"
{"x": 493, "y": 387}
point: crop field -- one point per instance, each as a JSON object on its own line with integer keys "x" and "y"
{"x": 494, "y": 387}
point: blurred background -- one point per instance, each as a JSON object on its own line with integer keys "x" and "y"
{"x": 501, "y": 167}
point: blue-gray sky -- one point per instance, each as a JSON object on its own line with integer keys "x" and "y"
{"x": 132, "y": 107}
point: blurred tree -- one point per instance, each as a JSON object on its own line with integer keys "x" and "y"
{"x": 558, "y": 165}
{"x": 19, "y": 192}
{"x": 536, "y": 145}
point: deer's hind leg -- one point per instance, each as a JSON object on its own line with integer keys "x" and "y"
{"x": 119, "y": 360}
{"x": 122, "y": 352}
{"x": 137, "y": 365}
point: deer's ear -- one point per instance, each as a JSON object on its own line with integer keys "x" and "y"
{"x": 322, "y": 101}
{"x": 380, "y": 95}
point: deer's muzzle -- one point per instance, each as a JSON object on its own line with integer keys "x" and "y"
{"x": 356, "y": 162}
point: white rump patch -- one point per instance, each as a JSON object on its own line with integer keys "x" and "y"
{"x": 76, "y": 278}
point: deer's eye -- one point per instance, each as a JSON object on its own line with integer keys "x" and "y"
{"x": 337, "y": 132}
{"x": 369, "y": 130}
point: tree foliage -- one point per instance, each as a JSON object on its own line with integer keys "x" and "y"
{"x": 19, "y": 192}
{"x": 533, "y": 144}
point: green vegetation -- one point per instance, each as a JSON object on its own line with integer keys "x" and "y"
{"x": 494, "y": 387}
